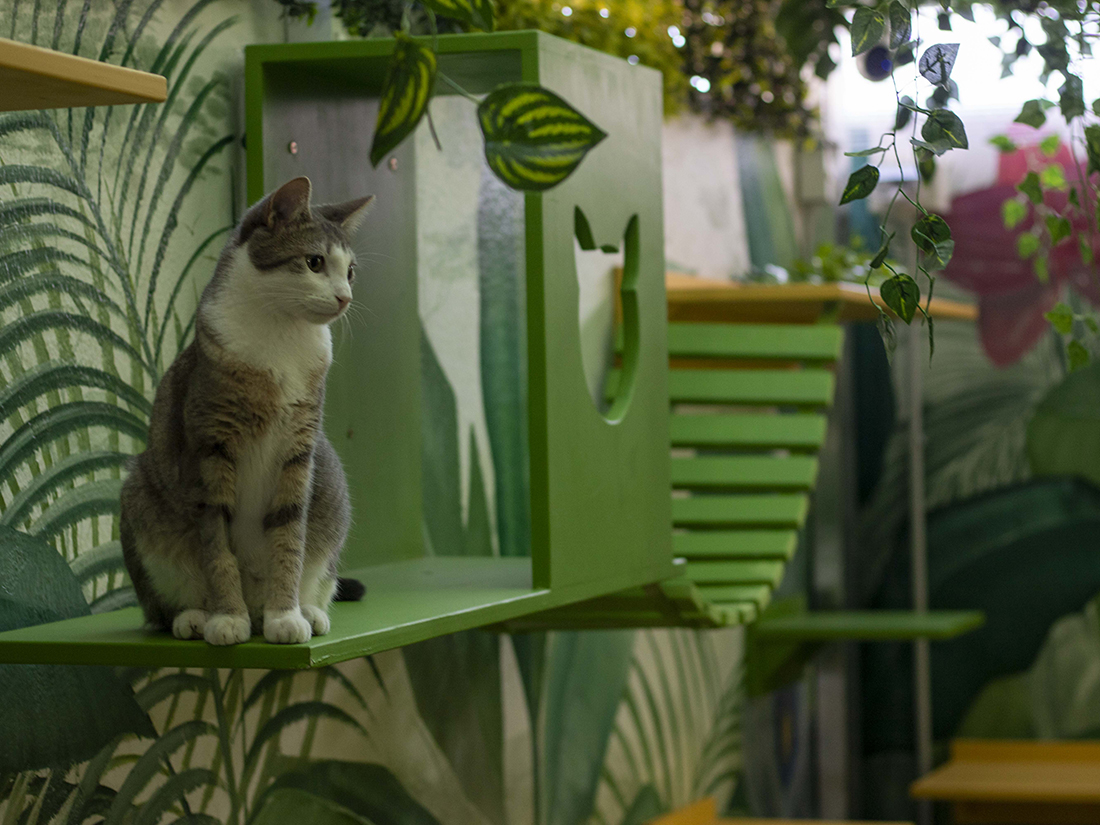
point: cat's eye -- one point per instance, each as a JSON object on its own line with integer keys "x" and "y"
{"x": 315, "y": 262}
{"x": 351, "y": 273}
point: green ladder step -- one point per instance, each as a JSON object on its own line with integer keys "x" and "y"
{"x": 770, "y": 341}
{"x": 809, "y": 387}
{"x": 737, "y": 572}
{"x": 869, "y": 625}
{"x": 744, "y": 472}
{"x": 756, "y": 594}
{"x": 795, "y": 431}
{"x": 764, "y": 510}
{"x": 736, "y": 544}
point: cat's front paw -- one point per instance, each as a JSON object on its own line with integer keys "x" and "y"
{"x": 317, "y": 618}
{"x": 286, "y": 628}
{"x": 189, "y": 624}
{"x": 227, "y": 629}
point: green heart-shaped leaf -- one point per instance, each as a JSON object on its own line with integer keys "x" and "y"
{"x": 932, "y": 236}
{"x": 902, "y": 295}
{"x": 937, "y": 61}
{"x": 944, "y": 128}
{"x": 901, "y": 25}
{"x": 1092, "y": 147}
{"x": 1061, "y": 318}
{"x": 405, "y": 94}
{"x": 1059, "y": 229}
{"x": 867, "y": 28}
{"x": 533, "y": 139}
{"x": 1031, "y": 187}
{"x": 1013, "y": 212}
{"x": 860, "y": 184}
{"x": 1071, "y": 97}
{"x": 1032, "y": 113}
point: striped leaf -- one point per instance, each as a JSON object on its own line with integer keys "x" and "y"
{"x": 405, "y": 95}
{"x": 533, "y": 139}
{"x": 475, "y": 12}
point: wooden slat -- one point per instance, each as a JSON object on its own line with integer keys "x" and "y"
{"x": 767, "y": 510}
{"x": 771, "y": 341}
{"x": 1009, "y": 750}
{"x": 744, "y": 473}
{"x": 829, "y": 625}
{"x": 736, "y": 572}
{"x": 796, "y": 431}
{"x": 810, "y": 387}
{"x": 757, "y": 594}
{"x": 736, "y": 544}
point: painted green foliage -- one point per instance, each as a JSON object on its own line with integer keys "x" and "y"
{"x": 106, "y": 235}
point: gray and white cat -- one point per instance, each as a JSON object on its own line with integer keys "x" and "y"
{"x": 234, "y": 516}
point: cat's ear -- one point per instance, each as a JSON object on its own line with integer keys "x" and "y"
{"x": 289, "y": 202}
{"x": 349, "y": 215}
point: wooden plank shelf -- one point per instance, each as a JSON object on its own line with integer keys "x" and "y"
{"x": 712, "y": 301}
{"x": 868, "y": 625}
{"x": 986, "y": 781}
{"x": 35, "y": 78}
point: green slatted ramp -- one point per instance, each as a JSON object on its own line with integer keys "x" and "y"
{"x": 748, "y": 416}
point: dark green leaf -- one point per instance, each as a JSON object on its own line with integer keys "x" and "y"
{"x": 1073, "y": 197}
{"x": 1031, "y": 187}
{"x": 1078, "y": 355}
{"x": 901, "y": 25}
{"x": 1013, "y": 211}
{"x": 904, "y": 113}
{"x": 533, "y": 139}
{"x": 902, "y": 295}
{"x": 476, "y": 12}
{"x": 1003, "y": 143}
{"x": 1032, "y": 114}
{"x": 344, "y": 793}
{"x": 944, "y": 128}
{"x": 886, "y": 332}
{"x": 1061, "y": 318}
{"x": 1071, "y": 98}
{"x": 932, "y": 236}
{"x": 1053, "y": 177}
{"x": 405, "y": 95}
{"x": 88, "y": 706}
{"x": 1059, "y": 229}
{"x": 1027, "y": 244}
{"x": 926, "y": 166}
{"x": 1049, "y": 145}
{"x": 1091, "y": 323}
{"x": 1096, "y": 107}
{"x": 937, "y": 61}
{"x": 884, "y": 250}
{"x": 1085, "y": 248}
{"x": 1092, "y": 147}
{"x": 865, "y": 153}
{"x": 860, "y": 184}
{"x": 868, "y": 24}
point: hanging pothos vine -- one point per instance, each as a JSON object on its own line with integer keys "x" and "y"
{"x": 1064, "y": 22}
{"x": 533, "y": 138}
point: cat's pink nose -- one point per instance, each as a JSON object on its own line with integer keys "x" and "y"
{"x": 342, "y": 302}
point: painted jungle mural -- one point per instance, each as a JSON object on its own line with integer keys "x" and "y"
{"x": 110, "y": 221}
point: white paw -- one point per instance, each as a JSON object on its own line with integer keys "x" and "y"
{"x": 226, "y": 629}
{"x": 287, "y": 628}
{"x": 317, "y": 618}
{"x": 189, "y": 624}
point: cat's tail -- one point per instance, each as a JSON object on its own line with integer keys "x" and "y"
{"x": 349, "y": 590}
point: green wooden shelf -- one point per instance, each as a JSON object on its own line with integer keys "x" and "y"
{"x": 868, "y": 625}
{"x": 406, "y": 602}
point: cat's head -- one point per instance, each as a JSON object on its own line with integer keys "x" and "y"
{"x": 297, "y": 259}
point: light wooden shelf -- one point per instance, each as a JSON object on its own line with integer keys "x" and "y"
{"x": 704, "y": 299}
{"x": 35, "y": 78}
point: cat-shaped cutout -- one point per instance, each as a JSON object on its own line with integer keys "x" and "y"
{"x": 613, "y": 388}
{"x": 234, "y": 516}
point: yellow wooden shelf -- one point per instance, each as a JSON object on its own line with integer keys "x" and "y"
{"x": 1007, "y": 781}
{"x": 704, "y": 299}
{"x": 704, "y": 812}
{"x": 35, "y": 78}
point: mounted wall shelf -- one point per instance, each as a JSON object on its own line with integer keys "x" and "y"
{"x": 598, "y": 508}
{"x": 868, "y": 625}
{"x": 35, "y": 78}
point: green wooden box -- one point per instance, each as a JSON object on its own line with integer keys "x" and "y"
{"x": 599, "y": 503}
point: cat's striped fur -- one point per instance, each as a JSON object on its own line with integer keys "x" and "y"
{"x": 234, "y": 515}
